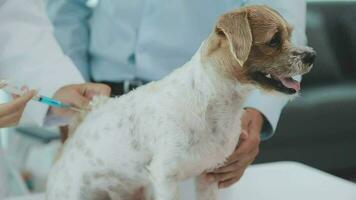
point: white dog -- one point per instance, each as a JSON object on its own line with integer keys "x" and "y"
{"x": 185, "y": 124}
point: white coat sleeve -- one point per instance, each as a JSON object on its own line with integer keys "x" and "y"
{"x": 30, "y": 55}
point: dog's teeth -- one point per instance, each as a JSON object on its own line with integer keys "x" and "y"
{"x": 268, "y": 76}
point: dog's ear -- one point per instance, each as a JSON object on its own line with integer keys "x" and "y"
{"x": 235, "y": 28}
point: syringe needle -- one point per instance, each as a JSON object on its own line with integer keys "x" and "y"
{"x": 11, "y": 89}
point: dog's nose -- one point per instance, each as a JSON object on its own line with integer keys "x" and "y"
{"x": 309, "y": 57}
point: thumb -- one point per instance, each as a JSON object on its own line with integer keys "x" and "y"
{"x": 80, "y": 101}
{"x": 96, "y": 89}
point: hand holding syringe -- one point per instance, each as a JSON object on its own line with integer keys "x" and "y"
{"x": 11, "y": 89}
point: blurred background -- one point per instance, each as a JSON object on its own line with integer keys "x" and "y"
{"x": 318, "y": 129}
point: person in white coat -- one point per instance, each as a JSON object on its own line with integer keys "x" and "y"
{"x": 30, "y": 55}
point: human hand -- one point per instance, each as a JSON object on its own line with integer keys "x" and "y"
{"x": 10, "y": 113}
{"x": 245, "y": 152}
{"x": 78, "y": 95}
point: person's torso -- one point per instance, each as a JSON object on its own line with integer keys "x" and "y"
{"x": 147, "y": 39}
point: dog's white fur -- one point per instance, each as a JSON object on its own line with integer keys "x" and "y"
{"x": 154, "y": 137}
{"x": 161, "y": 133}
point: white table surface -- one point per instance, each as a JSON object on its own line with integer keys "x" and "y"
{"x": 277, "y": 181}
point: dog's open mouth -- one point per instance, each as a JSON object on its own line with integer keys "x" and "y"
{"x": 280, "y": 83}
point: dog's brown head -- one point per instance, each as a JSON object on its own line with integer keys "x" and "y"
{"x": 252, "y": 45}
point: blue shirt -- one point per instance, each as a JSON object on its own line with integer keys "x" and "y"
{"x": 147, "y": 39}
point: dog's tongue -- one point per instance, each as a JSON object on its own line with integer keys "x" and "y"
{"x": 290, "y": 83}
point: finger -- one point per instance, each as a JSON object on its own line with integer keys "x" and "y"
{"x": 235, "y": 175}
{"x": 239, "y": 153}
{"x": 10, "y": 119}
{"x": 27, "y": 96}
{"x": 91, "y": 90}
{"x": 82, "y": 101}
{"x": 78, "y": 101}
{"x": 255, "y": 152}
{"x": 224, "y": 176}
{"x": 24, "y": 89}
{"x": 241, "y": 164}
{"x": 236, "y": 169}
{"x": 105, "y": 90}
{"x": 17, "y": 104}
{"x": 243, "y": 154}
{"x": 228, "y": 183}
{"x": 244, "y": 134}
{"x": 15, "y": 96}
{"x": 230, "y": 168}
{"x": 245, "y": 147}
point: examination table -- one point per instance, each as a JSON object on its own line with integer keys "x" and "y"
{"x": 277, "y": 181}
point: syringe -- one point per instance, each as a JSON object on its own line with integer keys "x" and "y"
{"x": 11, "y": 89}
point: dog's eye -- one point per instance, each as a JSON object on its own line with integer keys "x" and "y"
{"x": 275, "y": 41}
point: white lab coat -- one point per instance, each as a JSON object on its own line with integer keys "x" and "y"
{"x": 30, "y": 55}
